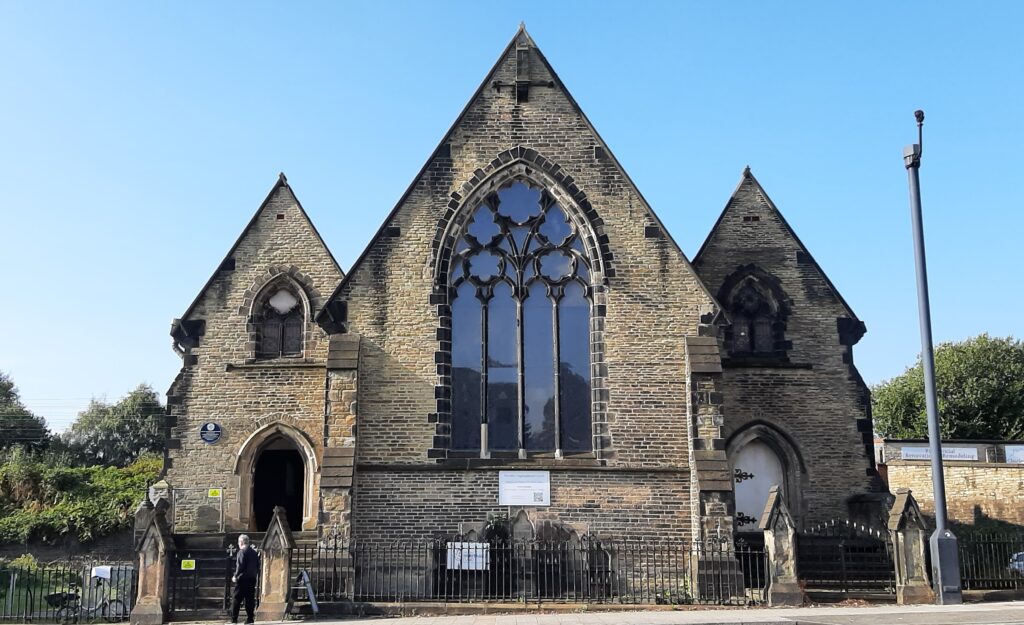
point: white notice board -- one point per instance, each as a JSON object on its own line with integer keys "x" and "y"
{"x": 524, "y": 488}
{"x": 469, "y": 556}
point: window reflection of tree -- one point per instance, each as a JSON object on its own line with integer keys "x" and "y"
{"x": 520, "y": 299}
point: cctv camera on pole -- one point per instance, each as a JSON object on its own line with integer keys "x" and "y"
{"x": 945, "y": 556}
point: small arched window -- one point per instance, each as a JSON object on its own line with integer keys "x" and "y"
{"x": 520, "y": 295}
{"x": 758, "y": 312}
{"x": 281, "y": 325}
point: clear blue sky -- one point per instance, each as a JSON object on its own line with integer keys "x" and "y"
{"x": 137, "y": 138}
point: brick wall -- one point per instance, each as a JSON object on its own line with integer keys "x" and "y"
{"x": 417, "y": 505}
{"x": 974, "y": 491}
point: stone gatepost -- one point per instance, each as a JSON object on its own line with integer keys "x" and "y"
{"x": 156, "y": 550}
{"x": 909, "y": 533}
{"x": 275, "y": 567}
{"x": 780, "y": 548}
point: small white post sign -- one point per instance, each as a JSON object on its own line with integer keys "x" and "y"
{"x": 948, "y": 453}
{"x": 1014, "y": 454}
{"x": 469, "y": 556}
{"x": 524, "y": 488}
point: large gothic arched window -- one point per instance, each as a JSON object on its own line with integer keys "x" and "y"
{"x": 520, "y": 297}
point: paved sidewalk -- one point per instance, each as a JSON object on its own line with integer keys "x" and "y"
{"x": 969, "y": 614}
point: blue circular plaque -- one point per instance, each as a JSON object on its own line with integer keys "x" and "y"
{"x": 210, "y": 432}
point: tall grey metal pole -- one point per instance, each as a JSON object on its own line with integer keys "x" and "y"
{"x": 943, "y": 543}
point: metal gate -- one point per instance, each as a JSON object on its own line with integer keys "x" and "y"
{"x": 200, "y": 583}
{"x": 846, "y": 557}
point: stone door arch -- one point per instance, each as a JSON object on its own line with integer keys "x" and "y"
{"x": 277, "y": 439}
{"x": 762, "y": 456}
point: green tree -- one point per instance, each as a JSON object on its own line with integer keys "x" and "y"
{"x": 18, "y": 425}
{"x": 117, "y": 434}
{"x": 980, "y": 389}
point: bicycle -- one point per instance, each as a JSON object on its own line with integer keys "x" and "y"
{"x": 70, "y": 609}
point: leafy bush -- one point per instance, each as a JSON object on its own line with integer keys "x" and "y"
{"x": 979, "y": 385}
{"x": 43, "y": 502}
{"x": 118, "y": 433}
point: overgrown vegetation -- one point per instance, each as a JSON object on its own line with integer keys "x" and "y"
{"x": 84, "y": 483}
{"x": 43, "y": 502}
{"x": 980, "y": 388}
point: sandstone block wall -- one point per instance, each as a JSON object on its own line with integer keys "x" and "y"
{"x": 223, "y": 382}
{"x": 974, "y": 492}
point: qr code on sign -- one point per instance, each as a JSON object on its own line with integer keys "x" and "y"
{"x": 538, "y": 497}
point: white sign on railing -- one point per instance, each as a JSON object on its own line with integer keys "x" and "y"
{"x": 469, "y": 556}
{"x": 948, "y": 453}
{"x": 1014, "y": 454}
{"x": 524, "y": 488}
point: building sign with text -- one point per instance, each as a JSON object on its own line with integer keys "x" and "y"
{"x": 948, "y": 453}
{"x": 1014, "y": 454}
{"x": 524, "y": 488}
{"x": 468, "y": 556}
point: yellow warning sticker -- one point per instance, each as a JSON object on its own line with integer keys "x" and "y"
{"x": 188, "y": 565}
{"x": 213, "y": 492}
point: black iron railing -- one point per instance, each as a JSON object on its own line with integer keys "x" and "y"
{"x": 69, "y": 591}
{"x": 585, "y": 571}
{"x": 846, "y": 557}
{"x": 992, "y": 561}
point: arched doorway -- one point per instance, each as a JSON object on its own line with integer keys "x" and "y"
{"x": 762, "y": 455}
{"x": 277, "y": 465}
{"x": 279, "y": 479}
{"x": 756, "y": 468}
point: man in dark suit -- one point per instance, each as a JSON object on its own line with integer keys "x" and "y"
{"x": 247, "y": 569}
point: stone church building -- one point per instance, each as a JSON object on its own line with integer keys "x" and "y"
{"x": 521, "y": 309}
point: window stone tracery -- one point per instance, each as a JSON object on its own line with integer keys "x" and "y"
{"x": 520, "y": 297}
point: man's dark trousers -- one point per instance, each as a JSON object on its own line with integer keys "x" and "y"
{"x": 245, "y": 590}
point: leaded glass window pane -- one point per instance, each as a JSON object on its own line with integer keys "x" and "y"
{"x": 502, "y": 370}
{"x": 291, "y": 342}
{"x": 539, "y": 369}
{"x": 467, "y": 358}
{"x": 741, "y": 335}
{"x": 763, "y": 339}
{"x": 270, "y": 336}
{"x": 574, "y": 368}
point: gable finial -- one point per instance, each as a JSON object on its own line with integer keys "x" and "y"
{"x": 746, "y": 171}
{"x": 282, "y": 178}
{"x": 522, "y": 26}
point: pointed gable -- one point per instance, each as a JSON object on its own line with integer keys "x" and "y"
{"x": 751, "y": 231}
{"x": 279, "y": 235}
{"x": 523, "y": 105}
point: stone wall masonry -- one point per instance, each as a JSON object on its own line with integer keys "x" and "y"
{"x": 814, "y": 398}
{"x": 974, "y": 492}
{"x": 220, "y": 380}
{"x": 818, "y": 412}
